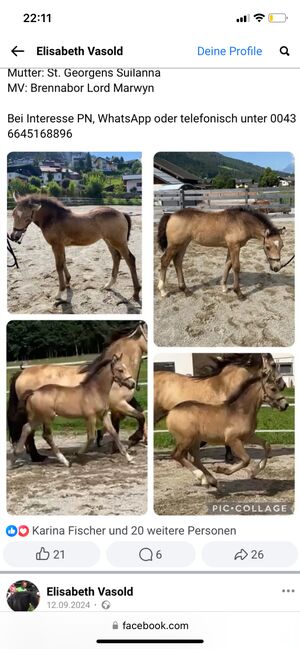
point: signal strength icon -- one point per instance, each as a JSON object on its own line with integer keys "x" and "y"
{"x": 259, "y": 17}
{"x": 243, "y": 19}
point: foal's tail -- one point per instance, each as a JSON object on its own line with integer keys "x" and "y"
{"x": 129, "y": 223}
{"x": 23, "y": 400}
{"x": 16, "y": 417}
{"x": 162, "y": 228}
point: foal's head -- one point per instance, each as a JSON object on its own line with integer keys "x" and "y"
{"x": 271, "y": 371}
{"x": 23, "y": 214}
{"x": 120, "y": 372}
{"x": 272, "y": 246}
{"x": 273, "y": 396}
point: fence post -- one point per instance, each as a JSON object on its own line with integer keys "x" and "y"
{"x": 182, "y": 198}
{"x": 247, "y": 192}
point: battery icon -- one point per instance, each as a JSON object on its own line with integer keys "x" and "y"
{"x": 277, "y": 18}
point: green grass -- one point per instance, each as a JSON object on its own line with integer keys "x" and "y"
{"x": 61, "y": 424}
{"x": 268, "y": 419}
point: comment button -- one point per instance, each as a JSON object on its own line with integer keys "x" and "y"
{"x": 151, "y": 554}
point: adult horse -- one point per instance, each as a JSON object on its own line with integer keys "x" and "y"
{"x": 233, "y": 423}
{"x": 62, "y": 227}
{"x": 129, "y": 341}
{"x": 230, "y": 228}
{"x": 89, "y": 400}
{"x": 215, "y": 384}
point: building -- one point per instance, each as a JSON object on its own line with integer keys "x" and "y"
{"x": 49, "y": 172}
{"x": 186, "y": 363}
{"x": 22, "y": 170}
{"x": 104, "y": 164}
{"x": 133, "y": 183}
{"x": 167, "y": 173}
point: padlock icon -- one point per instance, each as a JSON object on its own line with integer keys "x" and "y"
{"x": 115, "y": 625}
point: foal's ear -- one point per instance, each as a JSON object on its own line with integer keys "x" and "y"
{"x": 16, "y": 197}
{"x": 267, "y": 233}
{"x": 282, "y": 230}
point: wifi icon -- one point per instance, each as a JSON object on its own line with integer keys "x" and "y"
{"x": 259, "y": 17}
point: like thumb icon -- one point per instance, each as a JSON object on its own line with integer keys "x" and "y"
{"x": 42, "y": 555}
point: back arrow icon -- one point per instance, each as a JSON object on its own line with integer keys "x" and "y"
{"x": 15, "y": 51}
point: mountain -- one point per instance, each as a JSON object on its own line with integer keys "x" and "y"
{"x": 290, "y": 168}
{"x": 210, "y": 164}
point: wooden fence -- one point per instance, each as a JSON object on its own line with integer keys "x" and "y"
{"x": 169, "y": 200}
{"x": 77, "y": 201}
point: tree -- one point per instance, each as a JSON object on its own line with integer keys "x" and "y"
{"x": 19, "y": 186}
{"x": 72, "y": 188}
{"x": 223, "y": 181}
{"x": 50, "y": 176}
{"x": 53, "y": 188}
{"x": 34, "y": 180}
{"x": 268, "y": 178}
{"x": 88, "y": 162}
{"x": 65, "y": 183}
{"x": 94, "y": 184}
{"x": 136, "y": 167}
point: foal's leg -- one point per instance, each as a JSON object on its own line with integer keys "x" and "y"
{"x": 235, "y": 259}
{"x": 164, "y": 263}
{"x": 66, "y": 272}
{"x": 199, "y": 471}
{"x": 116, "y": 256}
{"x": 259, "y": 466}
{"x": 207, "y": 477}
{"x": 26, "y": 430}
{"x": 48, "y": 437}
{"x": 60, "y": 261}
{"x": 129, "y": 258}
{"x": 110, "y": 429}
{"x": 90, "y": 435}
{"x": 239, "y": 450}
{"x": 177, "y": 260}
{"x": 228, "y": 265}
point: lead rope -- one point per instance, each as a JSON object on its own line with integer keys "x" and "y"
{"x": 288, "y": 262}
{"x": 10, "y": 250}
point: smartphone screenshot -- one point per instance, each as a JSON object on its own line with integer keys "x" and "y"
{"x": 149, "y": 336}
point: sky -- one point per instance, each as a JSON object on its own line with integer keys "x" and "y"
{"x": 132, "y": 155}
{"x": 277, "y": 160}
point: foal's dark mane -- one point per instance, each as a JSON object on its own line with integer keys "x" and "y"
{"x": 251, "y": 212}
{"x": 48, "y": 202}
{"x": 239, "y": 360}
{"x": 95, "y": 367}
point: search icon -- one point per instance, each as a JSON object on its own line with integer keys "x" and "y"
{"x": 284, "y": 50}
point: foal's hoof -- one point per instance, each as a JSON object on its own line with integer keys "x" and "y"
{"x": 241, "y": 296}
{"x": 62, "y": 296}
{"x": 39, "y": 458}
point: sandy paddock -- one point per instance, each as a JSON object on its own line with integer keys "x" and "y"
{"x": 97, "y": 484}
{"x": 177, "y": 491}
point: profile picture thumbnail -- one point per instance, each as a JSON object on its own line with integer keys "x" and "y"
{"x": 23, "y": 596}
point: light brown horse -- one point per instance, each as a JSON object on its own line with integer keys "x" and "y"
{"x": 129, "y": 341}
{"x": 88, "y": 400}
{"x": 230, "y": 228}
{"x": 230, "y": 372}
{"x": 61, "y": 227}
{"x": 232, "y": 423}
